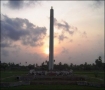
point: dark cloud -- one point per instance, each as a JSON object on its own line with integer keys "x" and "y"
{"x": 6, "y": 43}
{"x": 32, "y": 3}
{"x": 16, "y": 29}
{"x": 62, "y": 37}
{"x": 15, "y": 4}
{"x": 97, "y": 4}
{"x": 65, "y": 26}
{"x": 18, "y": 4}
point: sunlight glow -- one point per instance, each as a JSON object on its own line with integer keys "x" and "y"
{"x": 46, "y": 51}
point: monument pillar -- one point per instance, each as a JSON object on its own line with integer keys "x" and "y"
{"x": 51, "y": 43}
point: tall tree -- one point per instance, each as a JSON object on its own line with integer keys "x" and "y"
{"x": 71, "y": 65}
{"x": 98, "y": 62}
{"x": 26, "y": 63}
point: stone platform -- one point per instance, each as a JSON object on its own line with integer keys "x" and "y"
{"x": 50, "y": 78}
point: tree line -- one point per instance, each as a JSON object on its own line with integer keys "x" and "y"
{"x": 98, "y": 65}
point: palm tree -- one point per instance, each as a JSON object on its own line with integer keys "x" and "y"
{"x": 43, "y": 63}
{"x": 71, "y": 65}
{"x": 98, "y": 62}
{"x": 26, "y": 63}
{"x": 46, "y": 62}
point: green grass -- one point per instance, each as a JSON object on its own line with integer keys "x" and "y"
{"x": 95, "y": 80}
{"x": 9, "y": 76}
{"x": 91, "y": 74}
{"x": 52, "y": 87}
{"x": 5, "y": 74}
{"x": 11, "y": 79}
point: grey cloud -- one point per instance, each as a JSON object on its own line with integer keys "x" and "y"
{"x": 31, "y": 41}
{"x": 5, "y": 43}
{"x": 32, "y": 3}
{"x": 65, "y": 26}
{"x": 12, "y": 28}
{"x": 96, "y": 4}
{"x": 21, "y": 29}
{"x": 15, "y": 4}
{"x": 18, "y": 4}
{"x": 62, "y": 37}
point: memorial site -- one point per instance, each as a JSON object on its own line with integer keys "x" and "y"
{"x": 49, "y": 74}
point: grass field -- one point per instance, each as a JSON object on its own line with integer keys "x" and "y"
{"x": 5, "y": 74}
{"x": 91, "y": 74}
{"x": 8, "y": 76}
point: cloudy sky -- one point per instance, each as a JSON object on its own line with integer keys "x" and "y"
{"x": 78, "y": 31}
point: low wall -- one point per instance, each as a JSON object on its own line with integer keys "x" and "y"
{"x": 92, "y": 84}
{"x": 80, "y": 83}
{"x": 12, "y": 84}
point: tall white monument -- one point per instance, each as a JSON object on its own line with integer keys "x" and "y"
{"x": 51, "y": 43}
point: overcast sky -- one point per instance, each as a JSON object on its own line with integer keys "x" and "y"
{"x": 78, "y": 31}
